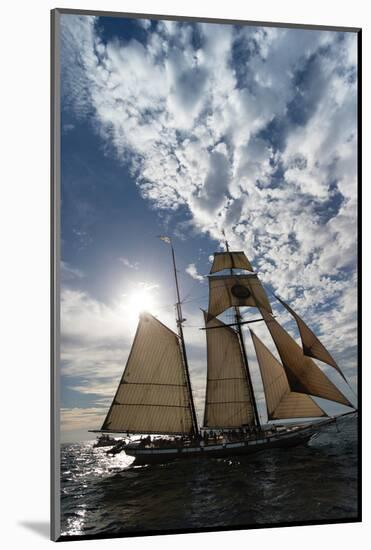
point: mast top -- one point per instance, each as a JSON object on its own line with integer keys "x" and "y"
{"x": 225, "y": 240}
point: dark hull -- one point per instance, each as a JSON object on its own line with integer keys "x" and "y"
{"x": 161, "y": 455}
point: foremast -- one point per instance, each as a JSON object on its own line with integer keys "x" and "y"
{"x": 154, "y": 395}
{"x": 179, "y": 321}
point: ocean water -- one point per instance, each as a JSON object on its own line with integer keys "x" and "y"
{"x": 102, "y": 494}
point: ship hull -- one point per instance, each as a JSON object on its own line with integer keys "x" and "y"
{"x": 288, "y": 438}
{"x": 110, "y": 444}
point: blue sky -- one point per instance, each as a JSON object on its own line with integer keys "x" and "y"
{"x": 187, "y": 129}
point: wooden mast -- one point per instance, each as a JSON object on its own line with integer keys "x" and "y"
{"x": 180, "y": 321}
{"x": 239, "y": 323}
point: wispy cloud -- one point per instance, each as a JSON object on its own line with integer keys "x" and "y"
{"x": 69, "y": 273}
{"x": 192, "y": 271}
{"x": 129, "y": 264}
{"x": 79, "y": 418}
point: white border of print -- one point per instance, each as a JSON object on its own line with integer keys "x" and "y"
{"x": 25, "y": 267}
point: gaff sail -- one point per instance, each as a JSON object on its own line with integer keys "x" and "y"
{"x": 281, "y": 402}
{"x": 152, "y": 396}
{"x": 228, "y": 402}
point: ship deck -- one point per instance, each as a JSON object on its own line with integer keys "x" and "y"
{"x": 287, "y": 438}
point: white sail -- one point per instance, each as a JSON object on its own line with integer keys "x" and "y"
{"x": 228, "y": 403}
{"x": 235, "y": 290}
{"x": 152, "y": 396}
{"x": 281, "y": 402}
{"x": 312, "y": 346}
{"x": 230, "y": 260}
{"x": 303, "y": 374}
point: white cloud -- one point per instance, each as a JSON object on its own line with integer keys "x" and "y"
{"x": 77, "y": 421}
{"x": 145, "y": 23}
{"x": 95, "y": 341}
{"x": 89, "y": 320}
{"x": 69, "y": 273}
{"x": 79, "y": 418}
{"x": 192, "y": 271}
{"x": 129, "y": 264}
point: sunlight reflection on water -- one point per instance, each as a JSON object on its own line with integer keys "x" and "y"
{"x": 108, "y": 494}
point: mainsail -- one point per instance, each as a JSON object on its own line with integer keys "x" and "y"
{"x": 228, "y": 401}
{"x": 230, "y": 260}
{"x": 153, "y": 395}
{"x": 312, "y": 346}
{"x": 235, "y": 291}
{"x": 281, "y": 402}
{"x": 303, "y": 374}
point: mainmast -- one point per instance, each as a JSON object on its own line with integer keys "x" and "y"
{"x": 179, "y": 322}
{"x": 243, "y": 349}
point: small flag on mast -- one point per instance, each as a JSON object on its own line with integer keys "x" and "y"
{"x": 165, "y": 239}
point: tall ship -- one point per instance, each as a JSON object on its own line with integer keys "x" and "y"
{"x": 153, "y": 408}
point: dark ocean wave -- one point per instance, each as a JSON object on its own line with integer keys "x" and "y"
{"x": 105, "y": 494}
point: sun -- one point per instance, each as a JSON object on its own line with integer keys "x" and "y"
{"x": 138, "y": 299}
